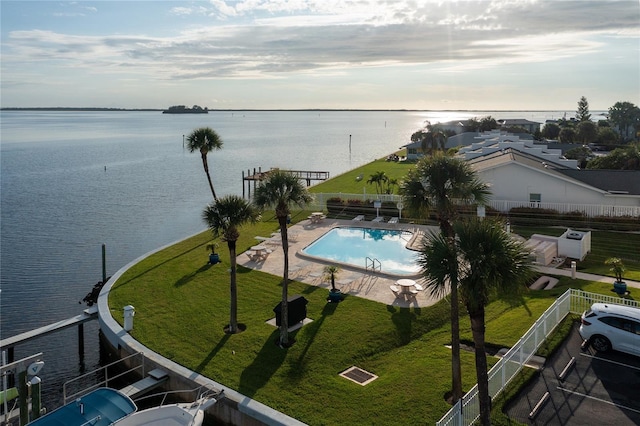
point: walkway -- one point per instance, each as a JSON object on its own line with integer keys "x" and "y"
{"x": 584, "y": 276}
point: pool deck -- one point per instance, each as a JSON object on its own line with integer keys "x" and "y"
{"x": 350, "y": 280}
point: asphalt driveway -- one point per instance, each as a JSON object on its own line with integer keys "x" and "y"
{"x": 599, "y": 389}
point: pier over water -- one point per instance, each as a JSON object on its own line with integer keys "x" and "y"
{"x": 259, "y": 175}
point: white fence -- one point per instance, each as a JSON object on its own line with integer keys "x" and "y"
{"x": 590, "y": 210}
{"x": 467, "y": 410}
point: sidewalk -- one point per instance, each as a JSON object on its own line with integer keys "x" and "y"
{"x": 584, "y": 276}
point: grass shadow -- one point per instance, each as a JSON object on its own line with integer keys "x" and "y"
{"x": 402, "y": 318}
{"x": 189, "y": 277}
{"x": 264, "y": 365}
{"x": 213, "y": 353}
{"x": 160, "y": 264}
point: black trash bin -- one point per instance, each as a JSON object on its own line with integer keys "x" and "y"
{"x": 297, "y": 307}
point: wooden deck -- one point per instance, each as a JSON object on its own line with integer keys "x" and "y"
{"x": 259, "y": 175}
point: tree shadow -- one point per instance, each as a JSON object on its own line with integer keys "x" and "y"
{"x": 213, "y": 353}
{"x": 312, "y": 330}
{"x": 189, "y": 277}
{"x": 264, "y": 365}
{"x": 161, "y": 264}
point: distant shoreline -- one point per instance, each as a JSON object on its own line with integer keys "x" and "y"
{"x": 276, "y": 110}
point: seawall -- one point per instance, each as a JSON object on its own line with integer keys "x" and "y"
{"x": 233, "y": 409}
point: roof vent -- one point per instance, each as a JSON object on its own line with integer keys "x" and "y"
{"x": 358, "y": 375}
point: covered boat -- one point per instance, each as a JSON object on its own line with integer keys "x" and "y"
{"x": 101, "y": 407}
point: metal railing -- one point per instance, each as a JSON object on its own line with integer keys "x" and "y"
{"x": 372, "y": 264}
{"x": 87, "y": 382}
{"x": 467, "y": 410}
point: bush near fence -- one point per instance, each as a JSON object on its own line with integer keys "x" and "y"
{"x": 534, "y": 216}
{"x": 337, "y": 206}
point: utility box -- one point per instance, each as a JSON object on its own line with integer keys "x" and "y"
{"x": 297, "y": 310}
{"x": 129, "y": 312}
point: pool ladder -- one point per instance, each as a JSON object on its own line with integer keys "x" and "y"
{"x": 374, "y": 264}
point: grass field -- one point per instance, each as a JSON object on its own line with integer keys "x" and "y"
{"x": 182, "y": 306}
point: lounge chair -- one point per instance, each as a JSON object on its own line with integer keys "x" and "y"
{"x": 378, "y": 219}
{"x": 393, "y": 220}
{"x": 358, "y": 218}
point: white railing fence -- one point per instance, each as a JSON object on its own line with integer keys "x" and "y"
{"x": 589, "y": 210}
{"x": 467, "y": 410}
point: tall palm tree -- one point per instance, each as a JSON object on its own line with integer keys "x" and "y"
{"x": 436, "y": 184}
{"x": 224, "y": 217}
{"x": 487, "y": 263}
{"x": 205, "y": 140}
{"x": 282, "y": 190}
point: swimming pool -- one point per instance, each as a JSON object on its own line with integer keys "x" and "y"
{"x": 352, "y": 246}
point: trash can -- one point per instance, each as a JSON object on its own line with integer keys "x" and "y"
{"x": 129, "y": 312}
{"x": 297, "y": 310}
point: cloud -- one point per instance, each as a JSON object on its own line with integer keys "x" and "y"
{"x": 291, "y": 36}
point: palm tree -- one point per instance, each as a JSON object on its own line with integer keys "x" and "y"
{"x": 281, "y": 190}
{"x": 330, "y": 272}
{"x": 487, "y": 263}
{"x": 224, "y": 217}
{"x": 205, "y": 140}
{"x": 433, "y": 140}
{"x": 436, "y": 184}
{"x": 378, "y": 179}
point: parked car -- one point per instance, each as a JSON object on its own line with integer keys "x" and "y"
{"x": 606, "y": 326}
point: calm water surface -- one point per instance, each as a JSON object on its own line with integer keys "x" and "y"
{"x": 71, "y": 181}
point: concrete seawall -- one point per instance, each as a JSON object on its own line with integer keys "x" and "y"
{"x": 233, "y": 409}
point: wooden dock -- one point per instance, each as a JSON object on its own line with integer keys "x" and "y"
{"x": 88, "y": 315}
{"x": 259, "y": 175}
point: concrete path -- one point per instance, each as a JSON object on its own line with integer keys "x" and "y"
{"x": 584, "y": 276}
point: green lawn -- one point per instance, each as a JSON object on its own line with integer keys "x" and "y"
{"x": 347, "y": 182}
{"x": 182, "y": 305}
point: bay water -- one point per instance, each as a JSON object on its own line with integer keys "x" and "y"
{"x": 71, "y": 181}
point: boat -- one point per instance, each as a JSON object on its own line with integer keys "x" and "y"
{"x": 100, "y": 407}
{"x": 182, "y": 414}
{"x": 110, "y": 407}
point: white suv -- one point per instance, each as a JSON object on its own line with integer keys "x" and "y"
{"x": 606, "y": 326}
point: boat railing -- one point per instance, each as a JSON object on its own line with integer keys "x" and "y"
{"x": 200, "y": 395}
{"x": 78, "y": 386}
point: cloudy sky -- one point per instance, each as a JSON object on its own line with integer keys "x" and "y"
{"x": 282, "y": 54}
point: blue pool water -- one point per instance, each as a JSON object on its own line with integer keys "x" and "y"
{"x": 352, "y": 246}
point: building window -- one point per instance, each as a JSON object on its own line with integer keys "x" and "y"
{"x": 535, "y": 199}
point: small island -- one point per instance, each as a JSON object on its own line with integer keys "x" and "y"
{"x": 181, "y": 109}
